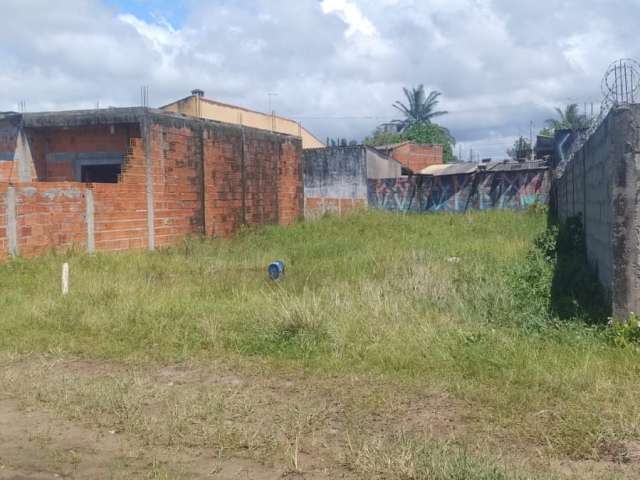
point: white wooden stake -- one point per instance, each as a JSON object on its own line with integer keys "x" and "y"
{"x": 65, "y": 278}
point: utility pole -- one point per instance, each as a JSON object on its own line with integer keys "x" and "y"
{"x": 271, "y": 94}
{"x": 531, "y": 139}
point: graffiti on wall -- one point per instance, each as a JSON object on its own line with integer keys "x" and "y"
{"x": 459, "y": 193}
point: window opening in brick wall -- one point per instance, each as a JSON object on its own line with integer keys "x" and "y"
{"x": 107, "y": 173}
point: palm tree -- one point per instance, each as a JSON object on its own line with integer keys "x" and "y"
{"x": 569, "y": 119}
{"x": 420, "y": 108}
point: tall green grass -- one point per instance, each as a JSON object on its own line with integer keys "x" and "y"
{"x": 363, "y": 282}
{"x": 431, "y": 299}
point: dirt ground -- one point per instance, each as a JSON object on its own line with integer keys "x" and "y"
{"x": 66, "y": 418}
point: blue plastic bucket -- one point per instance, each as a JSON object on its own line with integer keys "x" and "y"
{"x": 276, "y": 270}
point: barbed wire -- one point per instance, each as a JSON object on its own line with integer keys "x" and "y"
{"x": 620, "y": 86}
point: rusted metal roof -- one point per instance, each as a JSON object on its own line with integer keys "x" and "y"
{"x": 471, "y": 167}
{"x": 511, "y": 166}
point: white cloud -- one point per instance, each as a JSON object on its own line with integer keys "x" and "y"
{"x": 337, "y": 65}
{"x": 351, "y": 15}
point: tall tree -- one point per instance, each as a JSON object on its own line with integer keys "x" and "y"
{"x": 420, "y": 108}
{"x": 570, "y": 118}
{"x": 428, "y": 133}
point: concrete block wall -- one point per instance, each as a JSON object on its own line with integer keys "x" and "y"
{"x": 316, "y": 207}
{"x": 485, "y": 190}
{"x": 335, "y": 180}
{"x": 602, "y": 185}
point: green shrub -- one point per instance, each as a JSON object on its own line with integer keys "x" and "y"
{"x": 554, "y": 281}
{"x": 532, "y": 279}
{"x": 625, "y": 333}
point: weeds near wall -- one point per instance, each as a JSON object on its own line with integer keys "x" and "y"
{"x": 625, "y": 333}
{"x": 554, "y": 282}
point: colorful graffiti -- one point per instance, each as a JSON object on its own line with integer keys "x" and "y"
{"x": 462, "y": 192}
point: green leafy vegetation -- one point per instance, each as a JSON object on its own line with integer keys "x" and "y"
{"x": 521, "y": 150}
{"x": 569, "y": 118}
{"x": 417, "y": 123}
{"x": 430, "y": 134}
{"x": 626, "y": 333}
{"x": 554, "y": 283}
{"x": 419, "y": 108}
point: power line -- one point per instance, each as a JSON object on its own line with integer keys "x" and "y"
{"x": 305, "y": 116}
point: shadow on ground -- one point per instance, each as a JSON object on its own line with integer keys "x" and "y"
{"x": 575, "y": 290}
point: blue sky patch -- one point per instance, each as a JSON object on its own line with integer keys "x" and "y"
{"x": 175, "y": 11}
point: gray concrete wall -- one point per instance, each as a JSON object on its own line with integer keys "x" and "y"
{"x": 335, "y": 172}
{"x": 379, "y": 166}
{"x": 602, "y": 184}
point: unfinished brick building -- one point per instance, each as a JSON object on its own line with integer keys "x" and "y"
{"x": 413, "y": 156}
{"x": 124, "y": 178}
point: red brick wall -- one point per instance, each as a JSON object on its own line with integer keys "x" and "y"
{"x": 120, "y": 209}
{"x": 52, "y": 215}
{"x": 271, "y": 175}
{"x": 417, "y": 157}
{"x": 95, "y": 138}
{"x": 290, "y": 184}
{"x": 4, "y": 247}
{"x": 8, "y": 137}
{"x": 6, "y": 170}
{"x": 177, "y": 185}
{"x": 317, "y": 206}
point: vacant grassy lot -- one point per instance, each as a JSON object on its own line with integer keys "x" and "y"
{"x": 395, "y": 347}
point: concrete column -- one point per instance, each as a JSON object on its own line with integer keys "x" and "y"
{"x": 623, "y": 159}
{"x": 243, "y": 179}
{"x": 23, "y": 159}
{"x": 12, "y": 221}
{"x": 151, "y": 230}
{"x": 91, "y": 228}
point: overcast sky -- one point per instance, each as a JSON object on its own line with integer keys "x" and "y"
{"x": 335, "y": 65}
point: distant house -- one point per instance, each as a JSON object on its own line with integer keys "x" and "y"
{"x": 545, "y": 147}
{"x": 335, "y": 178}
{"x": 413, "y": 156}
{"x": 196, "y": 105}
